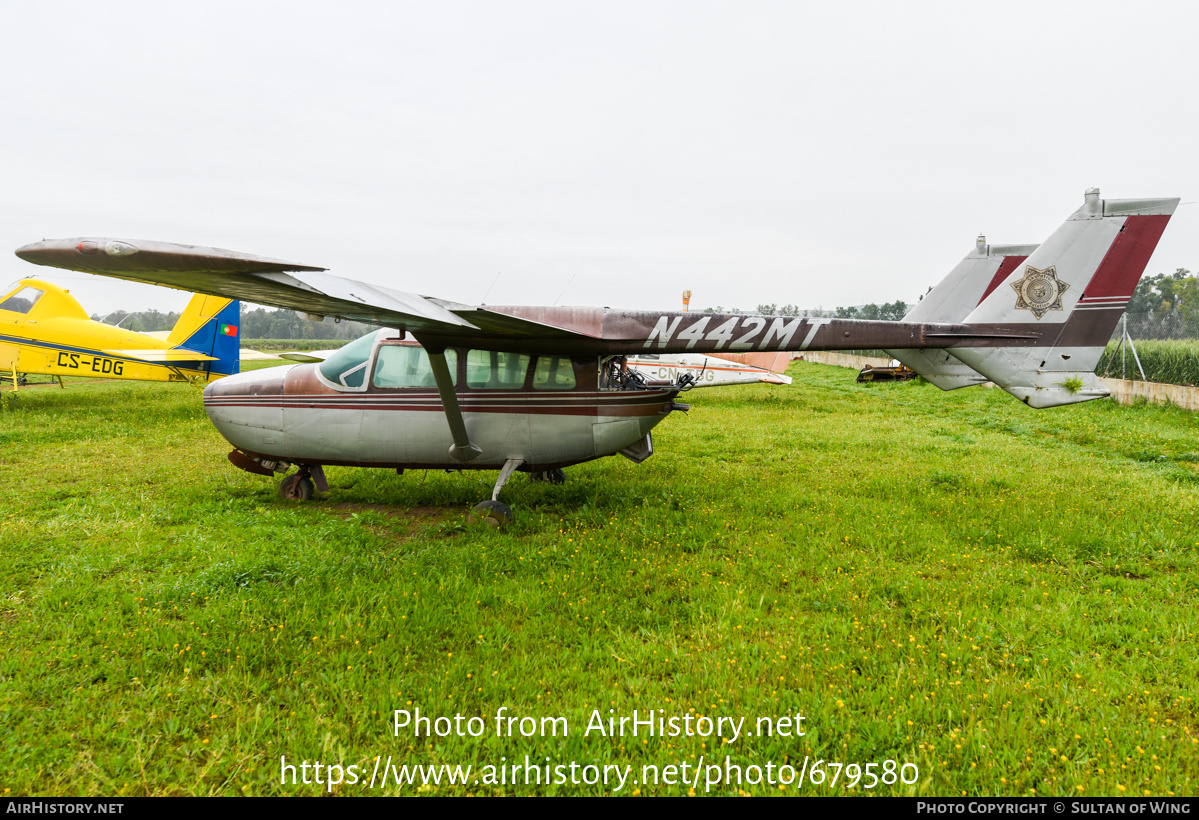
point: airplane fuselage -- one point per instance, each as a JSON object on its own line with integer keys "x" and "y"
{"x": 547, "y": 412}
{"x": 74, "y": 351}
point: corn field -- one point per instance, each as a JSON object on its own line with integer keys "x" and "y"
{"x": 1170, "y": 361}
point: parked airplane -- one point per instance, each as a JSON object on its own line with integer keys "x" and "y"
{"x": 538, "y": 389}
{"x": 44, "y": 330}
{"x": 708, "y": 371}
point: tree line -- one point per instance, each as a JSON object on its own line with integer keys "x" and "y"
{"x": 256, "y": 323}
{"x": 887, "y": 312}
{"x": 1164, "y": 306}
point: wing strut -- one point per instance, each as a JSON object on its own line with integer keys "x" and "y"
{"x": 462, "y": 449}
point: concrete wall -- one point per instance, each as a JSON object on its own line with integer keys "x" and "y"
{"x": 1127, "y": 392}
{"x": 1124, "y": 391}
{"x": 841, "y": 359}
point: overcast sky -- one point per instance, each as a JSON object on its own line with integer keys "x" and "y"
{"x": 817, "y": 154}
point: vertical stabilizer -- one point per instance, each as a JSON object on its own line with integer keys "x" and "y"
{"x": 1070, "y": 293}
{"x": 211, "y": 325}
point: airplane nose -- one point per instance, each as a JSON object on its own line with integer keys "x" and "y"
{"x": 247, "y": 408}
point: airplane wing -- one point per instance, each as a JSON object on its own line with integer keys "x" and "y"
{"x": 177, "y": 354}
{"x": 250, "y": 278}
{"x": 526, "y": 329}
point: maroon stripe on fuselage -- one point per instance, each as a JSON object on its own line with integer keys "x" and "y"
{"x": 603, "y": 404}
{"x": 1008, "y": 265}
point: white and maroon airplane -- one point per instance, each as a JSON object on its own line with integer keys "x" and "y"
{"x": 537, "y": 389}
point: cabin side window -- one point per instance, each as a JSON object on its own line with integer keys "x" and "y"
{"x": 496, "y": 370}
{"x": 398, "y": 366}
{"x": 557, "y": 373}
{"x": 22, "y": 301}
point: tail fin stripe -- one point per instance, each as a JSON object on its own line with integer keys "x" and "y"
{"x": 1009, "y": 264}
{"x": 1125, "y": 261}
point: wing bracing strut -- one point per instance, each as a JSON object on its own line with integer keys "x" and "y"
{"x": 462, "y": 449}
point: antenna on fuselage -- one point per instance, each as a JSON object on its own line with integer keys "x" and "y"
{"x": 483, "y": 301}
{"x": 563, "y": 293}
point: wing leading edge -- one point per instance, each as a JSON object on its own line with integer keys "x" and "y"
{"x": 310, "y": 290}
{"x": 257, "y": 279}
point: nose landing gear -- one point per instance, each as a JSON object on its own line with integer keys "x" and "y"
{"x": 303, "y": 484}
{"x": 297, "y": 487}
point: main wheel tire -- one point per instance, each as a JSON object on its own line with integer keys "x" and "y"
{"x": 494, "y": 514}
{"x": 297, "y": 487}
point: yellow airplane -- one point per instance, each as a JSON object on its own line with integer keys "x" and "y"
{"x": 44, "y": 330}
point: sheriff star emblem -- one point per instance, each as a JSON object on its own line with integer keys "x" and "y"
{"x": 1039, "y": 291}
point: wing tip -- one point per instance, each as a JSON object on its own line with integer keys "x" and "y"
{"x": 97, "y": 254}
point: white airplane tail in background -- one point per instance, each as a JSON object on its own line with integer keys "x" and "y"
{"x": 1071, "y": 291}
{"x": 951, "y": 301}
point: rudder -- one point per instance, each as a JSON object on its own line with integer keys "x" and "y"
{"x": 211, "y": 325}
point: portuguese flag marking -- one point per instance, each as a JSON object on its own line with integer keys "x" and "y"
{"x": 228, "y": 330}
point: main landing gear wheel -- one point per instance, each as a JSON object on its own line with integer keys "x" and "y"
{"x": 297, "y": 487}
{"x": 494, "y": 514}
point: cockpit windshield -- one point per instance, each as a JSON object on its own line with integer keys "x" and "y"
{"x": 347, "y": 367}
{"x": 22, "y": 301}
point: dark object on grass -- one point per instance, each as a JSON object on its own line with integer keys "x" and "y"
{"x": 869, "y": 373}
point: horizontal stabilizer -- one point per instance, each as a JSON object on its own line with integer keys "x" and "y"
{"x": 307, "y": 356}
{"x": 952, "y": 300}
{"x": 177, "y": 354}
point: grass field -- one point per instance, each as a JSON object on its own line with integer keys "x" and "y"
{"x": 1001, "y": 601}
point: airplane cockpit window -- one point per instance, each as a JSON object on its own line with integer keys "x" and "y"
{"x": 22, "y": 301}
{"x": 347, "y": 367}
{"x": 494, "y": 370}
{"x": 408, "y": 366}
{"x": 555, "y": 373}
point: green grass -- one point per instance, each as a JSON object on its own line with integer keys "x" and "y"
{"x": 1003, "y": 597}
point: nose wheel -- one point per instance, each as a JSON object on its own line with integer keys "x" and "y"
{"x": 297, "y": 487}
